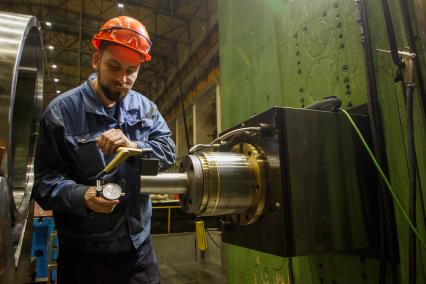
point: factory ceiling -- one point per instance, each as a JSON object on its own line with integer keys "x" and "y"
{"x": 174, "y": 27}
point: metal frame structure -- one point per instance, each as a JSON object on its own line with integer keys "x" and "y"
{"x": 179, "y": 30}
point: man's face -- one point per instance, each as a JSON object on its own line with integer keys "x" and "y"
{"x": 117, "y": 69}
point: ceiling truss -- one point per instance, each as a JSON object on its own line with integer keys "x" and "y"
{"x": 172, "y": 24}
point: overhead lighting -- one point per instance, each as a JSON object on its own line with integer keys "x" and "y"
{"x": 51, "y": 47}
{"x": 58, "y": 92}
{"x": 49, "y": 24}
{"x": 120, "y": 5}
{"x": 54, "y": 66}
{"x": 56, "y": 80}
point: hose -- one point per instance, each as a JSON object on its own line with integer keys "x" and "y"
{"x": 412, "y": 45}
{"x": 412, "y": 184}
{"x": 391, "y": 34}
{"x": 180, "y": 93}
{"x": 387, "y": 224}
{"x": 409, "y": 88}
{"x": 386, "y": 180}
{"x": 216, "y": 143}
{"x": 410, "y": 139}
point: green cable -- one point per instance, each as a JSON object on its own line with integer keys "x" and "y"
{"x": 388, "y": 185}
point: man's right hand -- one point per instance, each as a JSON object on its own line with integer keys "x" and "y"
{"x": 98, "y": 204}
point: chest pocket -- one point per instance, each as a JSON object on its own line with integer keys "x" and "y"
{"x": 139, "y": 129}
{"x": 87, "y": 158}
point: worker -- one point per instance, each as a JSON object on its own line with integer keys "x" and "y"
{"x": 100, "y": 240}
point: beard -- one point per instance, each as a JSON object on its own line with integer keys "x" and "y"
{"x": 114, "y": 96}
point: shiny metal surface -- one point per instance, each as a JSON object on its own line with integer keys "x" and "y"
{"x": 7, "y": 263}
{"x": 257, "y": 161}
{"x": 229, "y": 184}
{"x": 225, "y": 183}
{"x": 229, "y": 175}
{"x": 21, "y": 83}
{"x": 111, "y": 191}
{"x": 217, "y": 183}
{"x": 163, "y": 183}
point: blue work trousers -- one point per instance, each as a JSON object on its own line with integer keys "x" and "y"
{"x": 138, "y": 266}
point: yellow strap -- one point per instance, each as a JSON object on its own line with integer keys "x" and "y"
{"x": 200, "y": 235}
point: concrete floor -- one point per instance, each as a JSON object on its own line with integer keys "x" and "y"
{"x": 181, "y": 263}
{"x": 191, "y": 273}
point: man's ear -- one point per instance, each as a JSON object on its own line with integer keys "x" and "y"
{"x": 96, "y": 60}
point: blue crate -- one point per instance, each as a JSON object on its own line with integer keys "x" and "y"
{"x": 42, "y": 230}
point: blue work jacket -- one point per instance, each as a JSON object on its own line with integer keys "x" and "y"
{"x": 67, "y": 159}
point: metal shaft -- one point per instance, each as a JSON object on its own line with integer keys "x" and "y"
{"x": 169, "y": 183}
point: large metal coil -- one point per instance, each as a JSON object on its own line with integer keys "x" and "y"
{"x": 21, "y": 86}
{"x": 21, "y": 91}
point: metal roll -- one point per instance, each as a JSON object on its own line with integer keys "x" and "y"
{"x": 171, "y": 183}
{"x": 230, "y": 182}
{"x": 21, "y": 89}
{"x": 226, "y": 183}
{"x": 217, "y": 183}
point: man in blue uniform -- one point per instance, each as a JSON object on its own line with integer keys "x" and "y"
{"x": 100, "y": 240}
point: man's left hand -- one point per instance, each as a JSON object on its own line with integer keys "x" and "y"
{"x": 111, "y": 139}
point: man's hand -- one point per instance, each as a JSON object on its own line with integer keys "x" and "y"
{"x": 98, "y": 204}
{"x": 111, "y": 139}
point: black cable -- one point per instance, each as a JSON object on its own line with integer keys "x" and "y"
{"x": 290, "y": 250}
{"x": 386, "y": 180}
{"x": 412, "y": 162}
{"x": 412, "y": 45}
{"x": 290, "y": 270}
{"x": 420, "y": 189}
{"x": 391, "y": 34}
{"x": 180, "y": 94}
{"x": 387, "y": 225}
{"x": 188, "y": 144}
{"x": 412, "y": 184}
{"x": 408, "y": 91}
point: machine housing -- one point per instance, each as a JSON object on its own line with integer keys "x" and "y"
{"x": 321, "y": 191}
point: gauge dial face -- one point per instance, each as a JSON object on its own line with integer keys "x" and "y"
{"x": 111, "y": 191}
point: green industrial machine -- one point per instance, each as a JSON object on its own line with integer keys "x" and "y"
{"x": 295, "y": 52}
{"x": 300, "y": 200}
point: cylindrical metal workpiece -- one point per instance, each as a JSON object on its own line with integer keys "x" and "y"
{"x": 225, "y": 183}
{"x": 165, "y": 183}
{"x": 229, "y": 184}
{"x": 21, "y": 91}
{"x": 216, "y": 183}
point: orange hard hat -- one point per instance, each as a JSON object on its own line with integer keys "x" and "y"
{"x": 125, "y": 31}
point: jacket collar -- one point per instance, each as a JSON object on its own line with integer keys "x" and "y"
{"x": 91, "y": 100}
{"x": 93, "y": 103}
